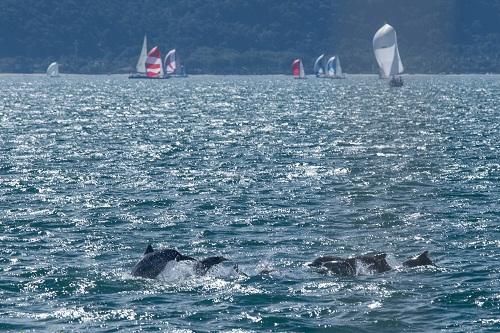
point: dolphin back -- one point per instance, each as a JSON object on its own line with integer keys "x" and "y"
{"x": 153, "y": 263}
{"x": 203, "y": 266}
{"x": 149, "y": 249}
{"x": 421, "y": 260}
{"x": 341, "y": 267}
{"x": 348, "y": 266}
{"x": 375, "y": 262}
{"x": 320, "y": 261}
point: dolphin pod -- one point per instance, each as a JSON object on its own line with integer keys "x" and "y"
{"x": 376, "y": 263}
{"x": 154, "y": 262}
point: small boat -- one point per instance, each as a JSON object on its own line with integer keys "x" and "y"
{"x": 298, "y": 69}
{"x": 319, "y": 67}
{"x": 53, "y": 70}
{"x": 173, "y": 67}
{"x": 385, "y": 47}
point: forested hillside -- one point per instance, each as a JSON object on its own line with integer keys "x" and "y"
{"x": 247, "y": 36}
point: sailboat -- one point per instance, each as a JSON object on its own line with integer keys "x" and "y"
{"x": 53, "y": 70}
{"x": 319, "y": 67}
{"x": 298, "y": 69}
{"x": 172, "y": 65}
{"x": 385, "y": 47}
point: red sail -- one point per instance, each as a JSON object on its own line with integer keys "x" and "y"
{"x": 153, "y": 63}
{"x": 296, "y": 68}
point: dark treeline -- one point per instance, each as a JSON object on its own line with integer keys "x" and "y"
{"x": 247, "y": 36}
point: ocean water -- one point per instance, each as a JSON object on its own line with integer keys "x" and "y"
{"x": 269, "y": 172}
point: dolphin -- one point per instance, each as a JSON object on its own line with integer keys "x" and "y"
{"x": 347, "y": 266}
{"x": 202, "y": 267}
{"x": 420, "y": 260}
{"x": 154, "y": 261}
{"x": 376, "y": 263}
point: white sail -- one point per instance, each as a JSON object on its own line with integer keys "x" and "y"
{"x": 385, "y": 47}
{"x": 53, "y": 69}
{"x": 141, "y": 63}
{"x": 330, "y": 66}
{"x": 302, "y": 74}
{"x": 318, "y": 65}
{"x": 171, "y": 62}
{"x": 338, "y": 69}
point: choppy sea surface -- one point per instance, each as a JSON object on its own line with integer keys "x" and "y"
{"x": 267, "y": 171}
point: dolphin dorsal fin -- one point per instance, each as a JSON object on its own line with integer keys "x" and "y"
{"x": 149, "y": 249}
{"x": 424, "y": 254}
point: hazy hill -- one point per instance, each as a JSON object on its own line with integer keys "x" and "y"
{"x": 247, "y": 36}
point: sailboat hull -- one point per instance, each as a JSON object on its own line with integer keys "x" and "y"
{"x": 334, "y": 77}
{"x": 178, "y": 76}
{"x": 145, "y": 77}
{"x": 396, "y": 82}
